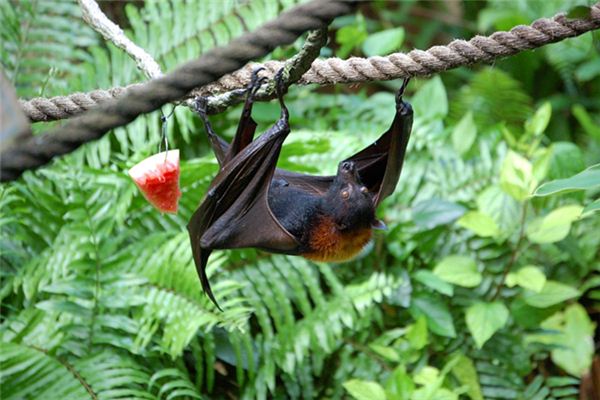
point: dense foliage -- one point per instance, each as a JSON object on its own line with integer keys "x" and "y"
{"x": 485, "y": 285}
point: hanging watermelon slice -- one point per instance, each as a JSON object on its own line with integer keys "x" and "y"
{"x": 158, "y": 179}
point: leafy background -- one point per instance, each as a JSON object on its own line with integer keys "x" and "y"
{"x": 485, "y": 286}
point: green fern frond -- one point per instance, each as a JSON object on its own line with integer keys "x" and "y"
{"x": 493, "y": 97}
{"x": 43, "y": 45}
{"x": 28, "y": 372}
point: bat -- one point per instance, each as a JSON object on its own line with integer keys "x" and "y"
{"x": 251, "y": 203}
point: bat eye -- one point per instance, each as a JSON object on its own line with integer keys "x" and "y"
{"x": 364, "y": 189}
{"x": 345, "y": 194}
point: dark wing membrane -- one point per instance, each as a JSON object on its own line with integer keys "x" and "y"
{"x": 379, "y": 165}
{"x": 235, "y": 212}
{"x": 317, "y": 185}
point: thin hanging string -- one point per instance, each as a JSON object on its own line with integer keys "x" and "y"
{"x": 164, "y": 139}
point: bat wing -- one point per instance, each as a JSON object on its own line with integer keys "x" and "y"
{"x": 235, "y": 212}
{"x": 379, "y": 164}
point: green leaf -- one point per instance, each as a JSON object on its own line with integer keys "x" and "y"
{"x": 581, "y": 12}
{"x": 364, "y": 390}
{"x": 383, "y": 42}
{"x": 431, "y": 99}
{"x": 591, "y": 208}
{"x": 435, "y": 212}
{"x": 459, "y": 270}
{"x": 437, "y": 314}
{"x": 504, "y": 209}
{"x": 350, "y": 37}
{"x": 399, "y": 385}
{"x": 541, "y": 165}
{"x": 464, "y": 133}
{"x": 539, "y": 121}
{"x": 552, "y": 293}
{"x": 427, "y": 278}
{"x": 484, "y": 319}
{"x": 554, "y": 226}
{"x": 586, "y": 121}
{"x": 585, "y": 180}
{"x": 464, "y": 371}
{"x": 529, "y": 277}
{"x": 567, "y": 160}
{"x": 389, "y": 353}
{"x": 483, "y": 225}
{"x": 516, "y": 176}
{"x": 575, "y": 346}
{"x": 417, "y": 333}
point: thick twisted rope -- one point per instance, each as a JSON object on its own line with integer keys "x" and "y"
{"x": 150, "y": 96}
{"x": 334, "y": 70}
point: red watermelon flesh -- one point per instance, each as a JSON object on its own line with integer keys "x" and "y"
{"x": 158, "y": 179}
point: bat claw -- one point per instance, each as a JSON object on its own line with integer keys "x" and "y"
{"x": 280, "y": 89}
{"x": 401, "y": 91}
{"x": 255, "y": 83}
{"x": 201, "y": 105}
{"x": 280, "y": 84}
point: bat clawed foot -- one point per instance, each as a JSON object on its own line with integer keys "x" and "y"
{"x": 402, "y": 106}
{"x": 256, "y": 81}
{"x": 201, "y": 105}
{"x": 401, "y": 91}
{"x": 281, "y": 88}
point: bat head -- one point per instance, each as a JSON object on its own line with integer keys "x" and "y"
{"x": 348, "y": 201}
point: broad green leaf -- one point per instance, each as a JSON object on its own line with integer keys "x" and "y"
{"x": 516, "y": 176}
{"x": 539, "y": 121}
{"x": 386, "y": 352}
{"x": 529, "y": 277}
{"x": 552, "y": 293}
{"x": 383, "y": 42}
{"x": 527, "y": 316}
{"x": 484, "y": 319}
{"x": 417, "y": 333}
{"x": 581, "y": 12}
{"x": 541, "y": 164}
{"x": 464, "y": 371}
{"x": 585, "y": 180}
{"x": 567, "y": 160}
{"x": 575, "y": 345}
{"x": 426, "y": 375}
{"x": 459, "y": 270}
{"x": 436, "y": 312}
{"x": 554, "y": 226}
{"x": 364, "y": 390}
{"x": 464, "y": 133}
{"x": 399, "y": 385}
{"x": 350, "y": 37}
{"x": 435, "y": 212}
{"x": 591, "y": 208}
{"x": 483, "y": 225}
{"x": 427, "y": 278}
{"x": 504, "y": 209}
{"x": 586, "y": 121}
{"x": 431, "y": 99}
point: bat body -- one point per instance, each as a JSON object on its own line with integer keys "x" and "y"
{"x": 251, "y": 203}
{"x": 333, "y": 226}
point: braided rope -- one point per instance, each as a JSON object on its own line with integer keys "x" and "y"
{"x": 150, "y": 96}
{"x": 334, "y": 70}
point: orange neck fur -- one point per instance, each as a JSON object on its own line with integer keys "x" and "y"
{"x": 327, "y": 243}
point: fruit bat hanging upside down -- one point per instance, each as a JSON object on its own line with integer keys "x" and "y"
{"x": 251, "y": 203}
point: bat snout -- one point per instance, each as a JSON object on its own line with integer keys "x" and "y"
{"x": 348, "y": 171}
